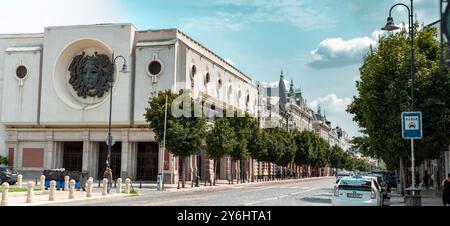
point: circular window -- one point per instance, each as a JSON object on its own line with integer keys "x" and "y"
{"x": 155, "y": 67}
{"x": 21, "y": 72}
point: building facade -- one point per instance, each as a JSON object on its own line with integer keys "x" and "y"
{"x": 55, "y": 92}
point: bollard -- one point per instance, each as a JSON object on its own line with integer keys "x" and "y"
{"x": 5, "y": 194}
{"x": 105, "y": 182}
{"x": 99, "y": 179}
{"x": 119, "y": 186}
{"x": 89, "y": 188}
{"x": 127, "y": 186}
{"x": 19, "y": 181}
{"x": 66, "y": 183}
{"x": 51, "y": 196}
{"x": 72, "y": 189}
{"x": 30, "y": 192}
{"x": 42, "y": 183}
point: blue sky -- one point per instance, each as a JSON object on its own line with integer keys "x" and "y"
{"x": 318, "y": 44}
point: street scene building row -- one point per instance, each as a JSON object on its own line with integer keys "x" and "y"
{"x": 55, "y": 101}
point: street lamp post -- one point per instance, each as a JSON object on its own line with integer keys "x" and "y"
{"x": 390, "y": 26}
{"x": 109, "y": 139}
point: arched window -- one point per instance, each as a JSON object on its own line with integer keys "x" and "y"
{"x": 192, "y": 75}
{"x": 219, "y": 87}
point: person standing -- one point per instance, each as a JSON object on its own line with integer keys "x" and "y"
{"x": 446, "y": 191}
{"x": 426, "y": 179}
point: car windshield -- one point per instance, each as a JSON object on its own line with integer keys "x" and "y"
{"x": 6, "y": 170}
{"x": 355, "y": 184}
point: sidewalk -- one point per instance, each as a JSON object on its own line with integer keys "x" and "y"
{"x": 430, "y": 197}
{"x": 61, "y": 196}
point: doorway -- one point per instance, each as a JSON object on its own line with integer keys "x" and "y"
{"x": 147, "y": 161}
{"x": 73, "y": 156}
{"x": 116, "y": 157}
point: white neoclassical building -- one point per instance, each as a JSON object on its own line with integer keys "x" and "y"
{"x": 55, "y": 97}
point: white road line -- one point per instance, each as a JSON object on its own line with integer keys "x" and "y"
{"x": 279, "y": 197}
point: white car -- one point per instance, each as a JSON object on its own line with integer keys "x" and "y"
{"x": 357, "y": 191}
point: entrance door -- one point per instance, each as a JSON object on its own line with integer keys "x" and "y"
{"x": 73, "y": 156}
{"x": 147, "y": 162}
{"x": 116, "y": 157}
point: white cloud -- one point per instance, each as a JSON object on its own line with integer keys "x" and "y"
{"x": 245, "y": 12}
{"x": 336, "y": 52}
{"x": 332, "y": 104}
{"x": 23, "y": 16}
{"x": 335, "y": 111}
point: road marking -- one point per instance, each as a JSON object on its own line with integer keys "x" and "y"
{"x": 278, "y": 197}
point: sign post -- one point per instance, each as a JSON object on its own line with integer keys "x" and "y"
{"x": 412, "y": 129}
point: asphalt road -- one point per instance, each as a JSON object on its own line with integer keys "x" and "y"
{"x": 312, "y": 192}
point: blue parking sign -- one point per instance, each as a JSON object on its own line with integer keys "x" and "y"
{"x": 412, "y": 125}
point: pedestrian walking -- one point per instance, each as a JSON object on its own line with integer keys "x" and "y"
{"x": 426, "y": 179}
{"x": 446, "y": 191}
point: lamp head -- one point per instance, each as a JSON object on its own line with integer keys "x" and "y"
{"x": 390, "y": 25}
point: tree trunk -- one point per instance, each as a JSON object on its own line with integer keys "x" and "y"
{"x": 183, "y": 170}
{"x": 402, "y": 176}
{"x": 215, "y": 172}
{"x": 231, "y": 169}
{"x": 236, "y": 164}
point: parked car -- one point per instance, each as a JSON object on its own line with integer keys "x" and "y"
{"x": 357, "y": 191}
{"x": 7, "y": 174}
{"x": 389, "y": 177}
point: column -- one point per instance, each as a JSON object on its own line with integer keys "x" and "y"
{"x": 93, "y": 159}
{"x": 86, "y": 147}
{"x": 124, "y": 154}
{"x": 132, "y": 159}
{"x": 49, "y": 152}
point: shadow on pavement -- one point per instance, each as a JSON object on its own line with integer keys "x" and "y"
{"x": 317, "y": 200}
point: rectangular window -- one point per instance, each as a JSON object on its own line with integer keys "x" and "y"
{"x": 33, "y": 157}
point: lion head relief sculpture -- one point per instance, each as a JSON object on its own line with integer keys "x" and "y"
{"x": 91, "y": 76}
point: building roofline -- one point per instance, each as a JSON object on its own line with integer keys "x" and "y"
{"x": 21, "y": 35}
{"x": 90, "y": 25}
{"x": 214, "y": 54}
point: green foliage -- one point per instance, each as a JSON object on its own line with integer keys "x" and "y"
{"x": 221, "y": 139}
{"x": 304, "y": 142}
{"x": 184, "y": 135}
{"x": 242, "y": 128}
{"x": 3, "y": 160}
{"x": 384, "y": 93}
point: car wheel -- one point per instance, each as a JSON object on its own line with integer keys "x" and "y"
{"x": 1, "y": 181}
{"x": 11, "y": 183}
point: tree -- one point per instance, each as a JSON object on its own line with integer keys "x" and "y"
{"x": 241, "y": 127}
{"x": 184, "y": 134}
{"x": 384, "y": 93}
{"x": 220, "y": 141}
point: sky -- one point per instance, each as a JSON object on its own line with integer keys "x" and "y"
{"x": 318, "y": 44}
